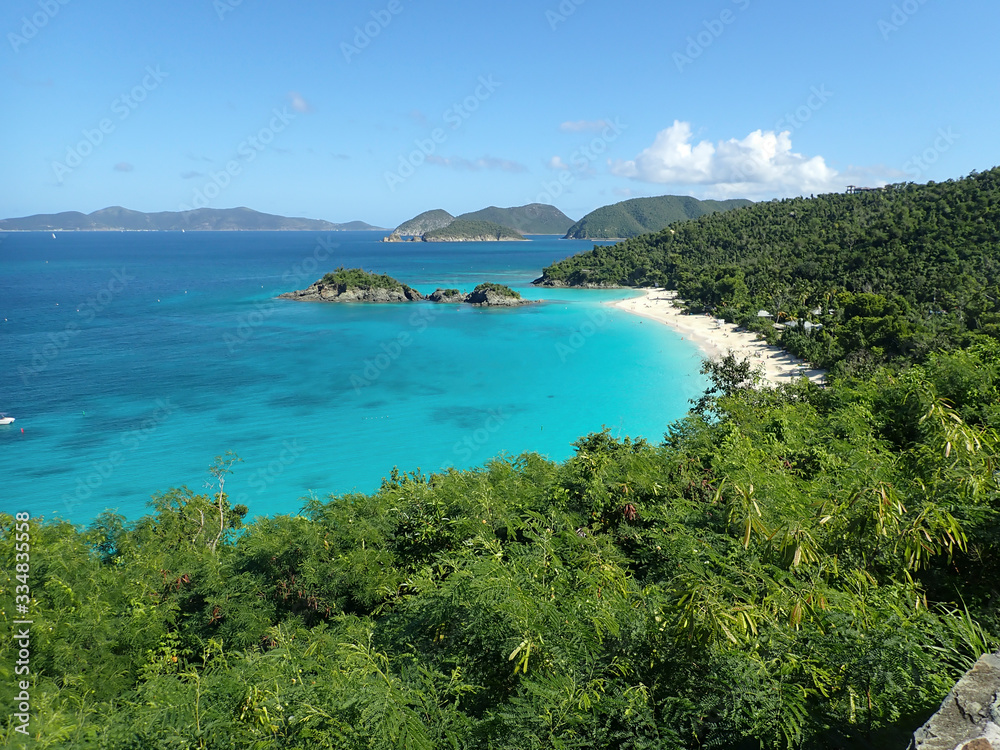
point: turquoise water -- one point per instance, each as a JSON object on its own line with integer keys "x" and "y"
{"x": 132, "y": 359}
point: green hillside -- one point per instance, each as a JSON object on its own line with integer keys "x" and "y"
{"x": 536, "y": 218}
{"x": 465, "y": 230}
{"x": 898, "y": 272}
{"x": 642, "y": 215}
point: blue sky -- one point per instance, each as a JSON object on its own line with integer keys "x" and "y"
{"x": 380, "y": 110}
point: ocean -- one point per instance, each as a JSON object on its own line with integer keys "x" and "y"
{"x": 132, "y": 359}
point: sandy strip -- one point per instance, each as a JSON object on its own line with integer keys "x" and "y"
{"x": 716, "y": 337}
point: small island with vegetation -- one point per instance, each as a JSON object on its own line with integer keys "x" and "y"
{"x": 358, "y": 285}
{"x": 355, "y": 285}
{"x": 495, "y": 295}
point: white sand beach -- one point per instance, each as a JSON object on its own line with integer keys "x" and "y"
{"x": 716, "y": 337}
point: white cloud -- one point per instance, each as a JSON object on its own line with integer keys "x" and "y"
{"x": 298, "y": 103}
{"x": 484, "y": 162}
{"x": 584, "y": 126}
{"x": 761, "y": 164}
{"x": 556, "y": 162}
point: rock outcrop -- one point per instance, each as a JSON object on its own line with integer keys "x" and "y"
{"x": 492, "y": 298}
{"x": 969, "y": 718}
{"x": 447, "y": 296}
{"x": 320, "y": 292}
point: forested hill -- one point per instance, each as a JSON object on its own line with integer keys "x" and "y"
{"x": 643, "y": 215}
{"x": 900, "y": 271}
{"x": 535, "y": 218}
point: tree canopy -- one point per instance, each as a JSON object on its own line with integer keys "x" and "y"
{"x": 899, "y": 272}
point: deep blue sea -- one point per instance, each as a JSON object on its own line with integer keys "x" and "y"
{"x": 132, "y": 359}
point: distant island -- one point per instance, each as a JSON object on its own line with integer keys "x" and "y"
{"x": 117, "y": 218}
{"x": 623, "y": 220}
{"x": 486, "y": 225}
{"x": 466, "y": 230}
{"x": 638, "y": 216}
{"x": 358, "y": 285}
{"x": 534, "y": 218}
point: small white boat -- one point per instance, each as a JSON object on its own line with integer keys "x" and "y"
{"x": 4, "y": 419}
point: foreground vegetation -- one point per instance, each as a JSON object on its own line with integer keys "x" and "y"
{"x": 893, "y": 274}
{"x": 799, "y": 568}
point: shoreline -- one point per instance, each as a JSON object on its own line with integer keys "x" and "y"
{"x": 715, "y": 337}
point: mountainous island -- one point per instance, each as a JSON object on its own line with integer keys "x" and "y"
{"x": 643, "y": 215}
{"x": 358, "y": 285}
{"x": 489, "y": 224}
{"x": 534, "y": 218}
{"x": 468, "y": 230}
{"x": 117, "y": 218}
